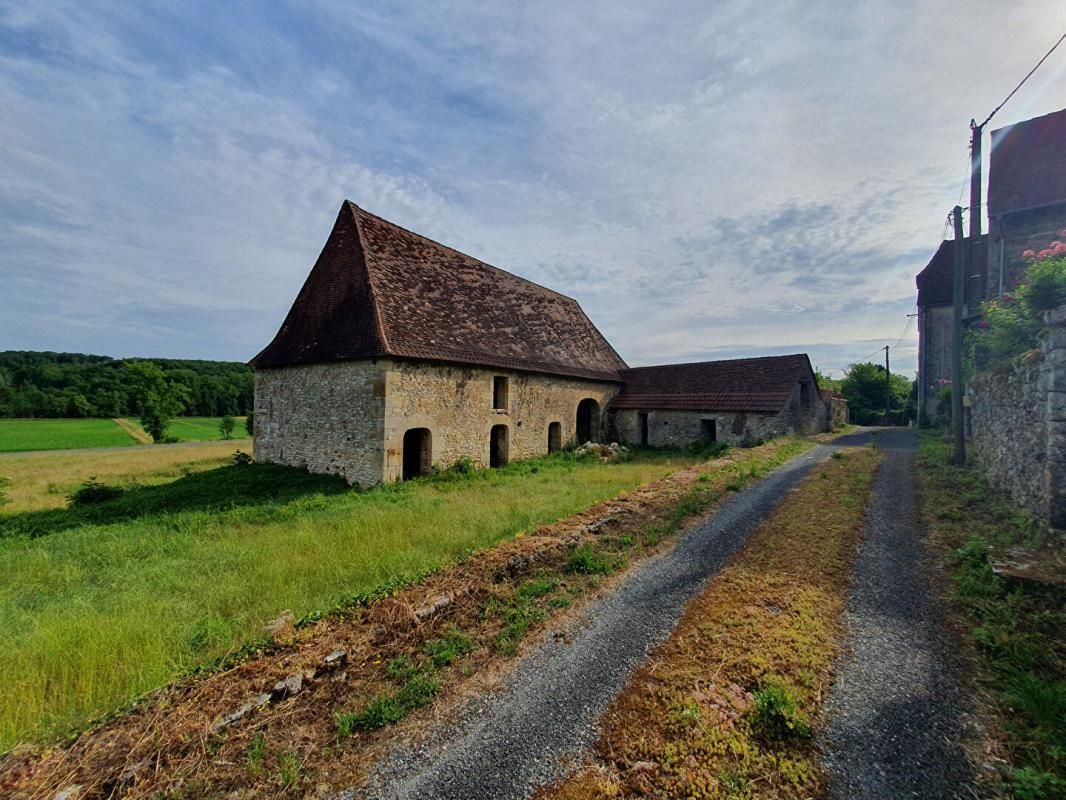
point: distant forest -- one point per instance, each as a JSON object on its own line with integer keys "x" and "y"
{"x": 44, "y": 384}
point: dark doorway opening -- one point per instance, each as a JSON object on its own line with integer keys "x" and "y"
{"x": 708, "y": 430}
{"x": 417, "y": 453}
{"x": 555, "y": 437}
{"x": 498, "y": 446}
{"x": 642, "y": 416}
{"x": 588, "y": 420}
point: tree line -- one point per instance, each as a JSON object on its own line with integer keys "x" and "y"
{"x": 46, "y": 384}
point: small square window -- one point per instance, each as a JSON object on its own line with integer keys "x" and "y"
{"x": 499, "y": 393}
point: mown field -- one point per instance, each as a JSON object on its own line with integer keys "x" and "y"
{"x": 100, "y": 603}
{"x": 21, "y": 435}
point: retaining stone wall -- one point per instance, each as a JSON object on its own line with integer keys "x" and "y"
{"x": 1018, "y": 426}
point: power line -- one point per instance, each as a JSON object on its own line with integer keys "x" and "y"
{"x": 1027, "y": 77}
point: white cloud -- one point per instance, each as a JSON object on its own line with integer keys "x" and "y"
{"x": 705, "y": 180}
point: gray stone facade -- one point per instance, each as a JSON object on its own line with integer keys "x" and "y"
{"x": 349, "y": 418}
{"x": 671, "y": 428}
{"x": 934, "y": 357}
{"x": 1018, "y": 427}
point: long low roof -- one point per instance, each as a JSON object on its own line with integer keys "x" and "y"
{"x": 380, "y": 290}
{"x": 735, "y": 385}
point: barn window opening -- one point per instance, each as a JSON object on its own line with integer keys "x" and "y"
{"x": 555, "y": 437}
{"x": 708, "y": 430}
{"x": 588, "y": 420}
{"x": 499, "y": 393}
{"x": 498, "y": 446}
{"x": 642, "y": 416}
{"x": 417, "y": 453}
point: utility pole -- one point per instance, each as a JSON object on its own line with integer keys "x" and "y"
{"x": 958, "y": 297}
{"x": 888, "y": 387}
{"x": 976, "y": 132}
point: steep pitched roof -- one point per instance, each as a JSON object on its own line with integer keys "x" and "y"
{"x": 1027, "y": 167}
{"x": 380, "y": 290}
{"x": 936, "y": 281}
{"x": 742, "y": 384}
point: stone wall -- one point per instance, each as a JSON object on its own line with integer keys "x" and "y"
{"x": 328, "y": 418}
{"x": 456, "y": 404}
{"x": 1012, "y": 234}
{"x": 1018, "y": 427}
{"x": 838, "y": 413}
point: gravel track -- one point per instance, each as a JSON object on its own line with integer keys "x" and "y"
{"x": 893, "y": 720}
{"x": 503, "y": 744}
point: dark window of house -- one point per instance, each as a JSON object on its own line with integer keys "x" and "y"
{"x": 499, "y": 393}
{"x": 642, "y": 417}
{"x": 708, "y": 430}
{"x": 555, "y": 437}
{"x": 498, "y": 448}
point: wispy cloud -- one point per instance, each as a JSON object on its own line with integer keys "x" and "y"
{"x": 706, "y": 180}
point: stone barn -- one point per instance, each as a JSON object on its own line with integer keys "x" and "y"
{"x": 401, "y": 354}
{"x": 740, "y": 401}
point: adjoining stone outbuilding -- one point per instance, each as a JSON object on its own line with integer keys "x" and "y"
{"x": 401, "y": 354}
{"x": 738, "y": 401}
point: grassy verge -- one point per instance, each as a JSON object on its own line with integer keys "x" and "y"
{"x": 198, "y": 429}
{"x": 19, "y": 435}
{"x": 100, "y": 604}
{"x": 1017, "y": 627}
{"x": 724, "y": 708}
{"x": 397, "y": 663}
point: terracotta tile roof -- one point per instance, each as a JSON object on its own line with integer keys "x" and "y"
{"x": 742, "y": 384}
{"x": 936, "y": 281}
{"x": 380, "y": 290}
{"x": 1027, "y": 166}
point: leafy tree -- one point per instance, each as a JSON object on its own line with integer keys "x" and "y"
{"x": 864, "y": 388}
{"x": 159, "y": 399}
{"x": 225, "y": 426}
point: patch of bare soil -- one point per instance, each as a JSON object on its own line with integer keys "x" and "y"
{"x": 310, "y": 712}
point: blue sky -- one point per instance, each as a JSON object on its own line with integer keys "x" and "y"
{"x": 708, "y": 179}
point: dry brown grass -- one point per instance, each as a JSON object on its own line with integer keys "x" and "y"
{"x": 687, "y": 724}
{"x": 164, "y": 747}
{"x": 38, "y": 481}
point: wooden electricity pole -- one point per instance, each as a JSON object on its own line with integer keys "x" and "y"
{"x": 981, "y": 271}
{"x": 888, "y": 387}
{"x": 958, "y": 298}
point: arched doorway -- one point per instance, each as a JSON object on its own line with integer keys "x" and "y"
{"x": 417, "y": 453}
{"x": 555, "y": 437}
{"x": 498, "y": 446}
{"x": 588, "y": 420}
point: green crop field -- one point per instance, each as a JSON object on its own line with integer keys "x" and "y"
{"x": 19, "y": 435}
{"x": 59, "y": 434}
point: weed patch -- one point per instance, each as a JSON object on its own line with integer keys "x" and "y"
{"x": 1018, "y": 628}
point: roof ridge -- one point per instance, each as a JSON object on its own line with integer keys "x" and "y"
{"x": 379, "y": 326}
{"x": 425, "y": 238}
{"x": 721, "y": 361}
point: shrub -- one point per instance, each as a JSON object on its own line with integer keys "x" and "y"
{"x": 587, "y": 561}
{"x": 226, "y": 426}
{"x": 92, "y": 491}
{"x": 241, "y": 459}
{"x": 775, "y": 714}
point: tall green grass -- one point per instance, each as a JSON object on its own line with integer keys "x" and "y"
{"x": 96, "y": 612}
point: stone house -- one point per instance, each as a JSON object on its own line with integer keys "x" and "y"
{"x": 1026, "y": 211}
{"x": 401, "y": 354}
{"x": 740, "y": 401}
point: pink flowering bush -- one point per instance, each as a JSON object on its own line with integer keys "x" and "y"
{"x": 1012, "y": 324}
